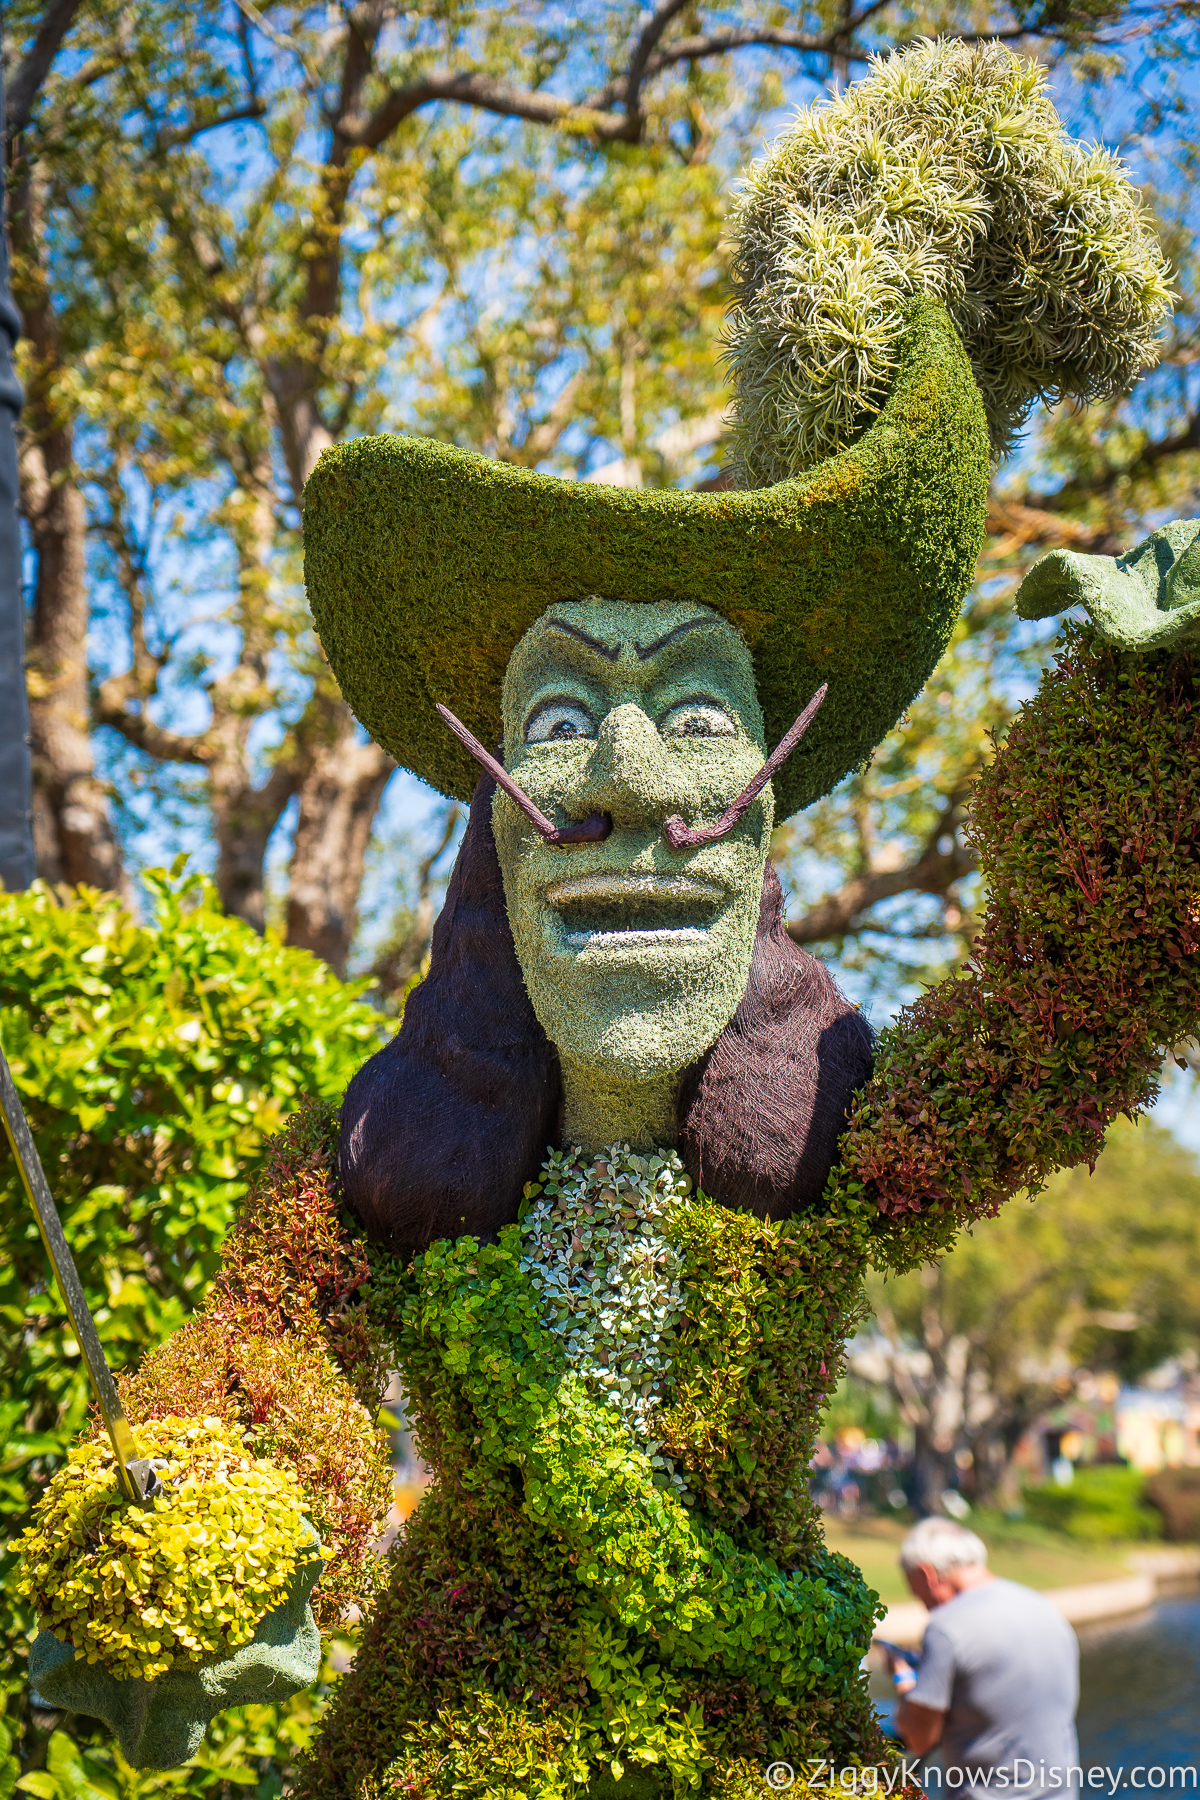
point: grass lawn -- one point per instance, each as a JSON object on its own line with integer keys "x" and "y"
{"x": 1017, "y": 1549}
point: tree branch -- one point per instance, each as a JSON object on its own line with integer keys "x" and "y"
{"x": 613, "y": 113}
{"x": 717, "y": 43}
{"x": 1107, "y": 478}
{"x": 639, "y": 62}
{"x": 471, "y": 89}
{"x": 934, "y": 872}
{"x": 26, "y": 84}
{"x": 187, "y": 134}
{"x": 251, "y": 14}
{"x": 542, "y": 437}
{"x": 113, "y": 707}
{"x": 1013, "y": 524}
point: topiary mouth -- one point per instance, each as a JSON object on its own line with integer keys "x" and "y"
{"x": 613, "y": 906}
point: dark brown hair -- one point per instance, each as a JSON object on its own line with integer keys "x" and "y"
{"x": 442, "y": 1129}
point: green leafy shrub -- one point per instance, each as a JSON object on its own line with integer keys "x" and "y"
{"x": 154, "y": 1061}
{"x": 143, "y": 1589}
{"x": 1102, "y": 1504}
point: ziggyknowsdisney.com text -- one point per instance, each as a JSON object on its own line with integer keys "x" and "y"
{"x": 1024, "y": 1777}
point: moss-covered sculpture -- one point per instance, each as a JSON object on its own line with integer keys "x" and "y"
{"x": 283, "y": 1352}
{"x": 425, "y": 565}
{"x": 588, "y": 729}
{"x": 1139, "y": 601}
{"x": 617, "y": 1584}
{"x": 528, "y": 1638}
{"x": 547, "y": 1525}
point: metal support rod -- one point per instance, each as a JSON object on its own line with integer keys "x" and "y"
{"x": 136, "y": 1480}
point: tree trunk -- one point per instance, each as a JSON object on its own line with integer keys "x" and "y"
{"x": 72, "y": 825}
{"x": 933, "y": 1471}
{"x": 244, "y": 816}
{"x": 400, "y": 960}
{"x": 72, "y": 831}
{"x": 1005, "y": 1490}
{"x": 339, "y": 797}
{"x": 243, "y": 819}
{"x": 343, "y": 779}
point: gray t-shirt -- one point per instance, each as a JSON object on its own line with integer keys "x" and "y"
{"x": 1003, "y": 1665}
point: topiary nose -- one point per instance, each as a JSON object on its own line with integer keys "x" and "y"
{"x": 632, "y": 775}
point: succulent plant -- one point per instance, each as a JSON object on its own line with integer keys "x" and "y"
{"x": 594, "y": 1244}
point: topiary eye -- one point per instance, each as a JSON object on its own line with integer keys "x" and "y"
{"x": 558, "y": 722}
{"x": 697, "y": 718}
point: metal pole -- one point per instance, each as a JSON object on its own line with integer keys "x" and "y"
{"x": 137, "y": 1479}
{"x": 17, "y": 865}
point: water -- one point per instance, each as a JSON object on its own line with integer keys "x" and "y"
{"x": 1140, "y": 1694}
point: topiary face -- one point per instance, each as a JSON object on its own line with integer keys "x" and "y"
{"x": 635, "y": 956}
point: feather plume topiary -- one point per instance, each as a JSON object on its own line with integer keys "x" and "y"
{"x": 945, "y": 171}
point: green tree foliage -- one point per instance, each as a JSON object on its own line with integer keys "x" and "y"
{"x": 275, "y": 252}
{"x": 1101, "y": 1272}
{"x": 153, "y": 1060}
{"x": 501, "y": 233}
{"x": 1102, "y": 1504}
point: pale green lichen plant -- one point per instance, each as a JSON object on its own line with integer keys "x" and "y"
{"x": 945, "y": 171}
{"x": 172, "y": 1584}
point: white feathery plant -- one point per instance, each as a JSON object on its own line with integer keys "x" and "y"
{"x": 945, "y": 171}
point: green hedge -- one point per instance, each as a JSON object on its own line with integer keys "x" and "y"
{"x": 1101, "y": 1504}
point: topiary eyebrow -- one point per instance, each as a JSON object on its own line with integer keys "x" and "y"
{"x": 610, "y": 652}
{"x": 650, "y": 650}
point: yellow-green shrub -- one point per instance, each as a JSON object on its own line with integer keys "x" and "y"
{"x": 171, "y": 1584}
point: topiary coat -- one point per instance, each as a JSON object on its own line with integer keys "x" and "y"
{"x": 551, "y": 1622}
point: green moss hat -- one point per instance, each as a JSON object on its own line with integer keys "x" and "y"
{"x": 425, "y": 565}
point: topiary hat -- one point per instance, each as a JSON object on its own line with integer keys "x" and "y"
{"x": 945, "y": 175}
{"x": 426, "y": 564}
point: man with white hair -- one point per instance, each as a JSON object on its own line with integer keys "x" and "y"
{"x": 998, "y": 1679}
